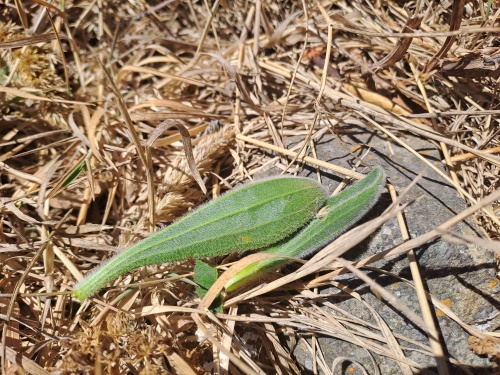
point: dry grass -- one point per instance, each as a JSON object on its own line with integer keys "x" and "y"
{"x": 83, "y": 89}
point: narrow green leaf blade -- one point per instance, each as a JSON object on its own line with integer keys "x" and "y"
{"x": 73, "y": 175}
{"x": 205, "y": 276}
{"x": 340, "y": 213}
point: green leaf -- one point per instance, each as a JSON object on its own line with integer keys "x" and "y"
{"x": 340, "y": 213}
{"x": 73, "y": 175}
{"x": 254, "y": 216}
{"x": 205, "y": 276}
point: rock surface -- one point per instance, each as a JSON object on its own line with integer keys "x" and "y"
{"x": 461, "y": 276}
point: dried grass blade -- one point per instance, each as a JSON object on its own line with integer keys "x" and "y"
{"x": 188, "y": 147}
{"x": 19, "y": 174}
{"x": 35, "y": 39}
{"x": 154, "y": 72}
{"x": 326, "y": 63}
{"x": 26, "y": 95}
{"x": 75, "y": 272}
{"x": 175, "y": 105}
{"x": 401, "y": 46}
{"x": 239, "y": 82}
{"x": 91, "y": 124}
{"x": 13, "y": 335}
{"x": 278, "y": 32}
{"x": 384, "y": 293}
{"x": 227, "y": 338}
{"x": 51, "y": 6}
{"x": 109, "y": 201}
{"x": 177, "y": 362}
{"x": 167, "y": 141}
{"x": 22, "y": 14}
{"x": 392, "y": 343}
{"x": 468, "y": 155}
{"x": 164, "y": 309}
{"x": 281, "y": 356}
{"x": 241, "y": 264}
{"x": 427, "y": 313}
{"x": 160, "y": 116}
{"x": 349, "y": 335}
{"x": 430, "y": 34}
{"x": 236, "y": 361}
{"x": 76, "y": 130}
{"x": 9, "y": 204}
{"x": 455, "y": 21}
{"x": 48, "y": 171}
{"x": 138, "y": 146}
{"x": 460, "y": 239}
{"x": 24, "y": 362}
{"x": 320, "y": 163}
{"x": 32, "y": 137}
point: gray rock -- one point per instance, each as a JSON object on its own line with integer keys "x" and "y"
{"x": 459, "y": 274}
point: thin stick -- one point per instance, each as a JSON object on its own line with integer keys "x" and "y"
{"x": 319, "y": 163}
{"x": 432, "y": 332}
{"x": 468, "y": 155}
